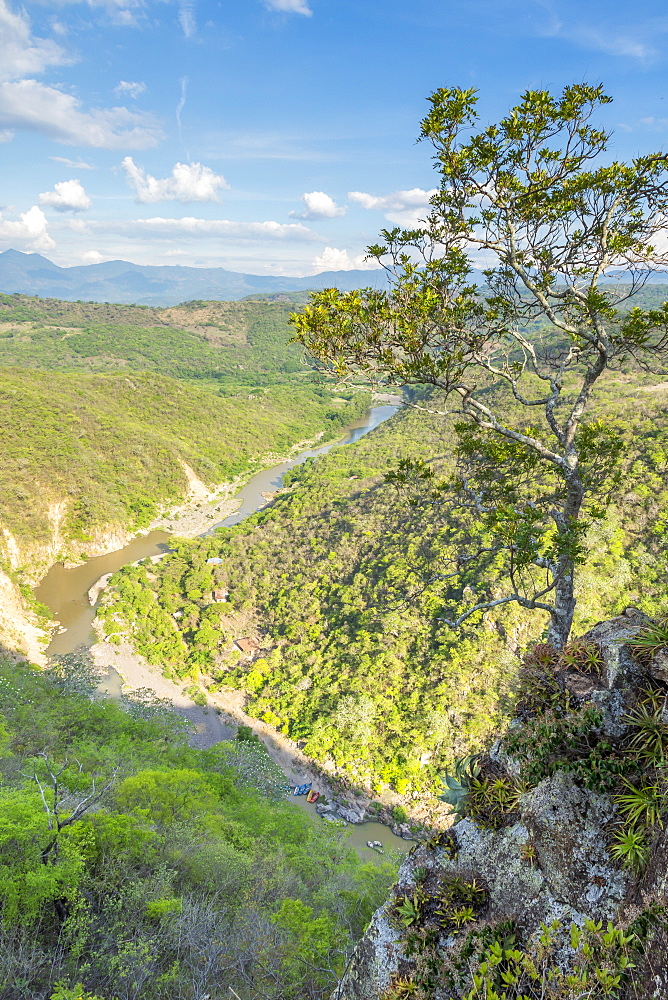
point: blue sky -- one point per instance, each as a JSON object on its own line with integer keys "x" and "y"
{"x": 276, "y": 136}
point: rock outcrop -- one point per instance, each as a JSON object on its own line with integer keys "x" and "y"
{"x": 535, "y": 877}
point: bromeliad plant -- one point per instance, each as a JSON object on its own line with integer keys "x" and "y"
{"x": 650, "y": 738}
{"x": 630, "y": 847}
{"x": 642, "y": 805}
{"x": 651, "y": 639}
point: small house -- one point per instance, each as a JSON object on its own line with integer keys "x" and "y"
{"x": 247, "y": 646}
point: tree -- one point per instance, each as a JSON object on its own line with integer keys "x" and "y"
{"x": 535, "y": 199}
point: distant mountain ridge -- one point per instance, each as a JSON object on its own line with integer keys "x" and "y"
{"x": 165, "y": 285}
{"x": 119, "y": 281}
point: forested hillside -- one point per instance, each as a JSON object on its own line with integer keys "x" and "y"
{"x": 343, "y": 579}
{"x": 210, "y": 341}
{"x": 96, "y": 450}
{"x": 134, "y": 867}
{"x": 107, "y": 410}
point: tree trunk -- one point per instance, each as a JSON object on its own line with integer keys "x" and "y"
{"x": 564, "y": 599}
{"x": 564, "y": 609}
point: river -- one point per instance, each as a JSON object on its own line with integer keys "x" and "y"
{"x": 65, "y": 590}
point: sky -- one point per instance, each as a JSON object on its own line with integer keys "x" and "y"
{"x": 277, "y": 136}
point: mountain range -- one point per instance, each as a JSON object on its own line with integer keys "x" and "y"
{"x": 119, "y": 281}
{"x": 122, "y": 282}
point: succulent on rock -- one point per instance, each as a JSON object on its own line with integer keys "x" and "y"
{"x": 560, "y": 840}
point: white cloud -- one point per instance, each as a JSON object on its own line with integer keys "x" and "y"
{"x": 187, "y": 17}
{"x": 75, "y": 164}
{"x": 67, "y": 196}
{"x": 31, "y": 105}
{"x": 616, "y": 41}
{"x": 21, "y": 53}
{"x": 92, "y": 257}
{"x": 130, "y": 87}
{"x": 332, "y": 259}
{"x": 290, "y": 6}
{"x": 122, "y": 12}
{"x": 29, "y": 233}
{"x": 319, "y": 206}
{"x": 163, "y": 228}
{"x": 188, "y": 182}
{"x": 403, "y": 208}
{"x": 6, "y": 135}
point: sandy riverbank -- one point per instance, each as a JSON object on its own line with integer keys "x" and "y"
{"x": 211, "y": 727}
{"x": 207, "y": 506}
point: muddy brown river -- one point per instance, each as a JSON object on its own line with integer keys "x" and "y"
{"x": 65, "y": 591}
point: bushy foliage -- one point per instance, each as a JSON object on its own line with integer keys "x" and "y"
{"x": 345, "y": 579}
{"x": 108, "y": 450}
{"x": 181, "y": 881}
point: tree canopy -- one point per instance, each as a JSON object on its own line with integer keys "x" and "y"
{"x": 564, "y": 236}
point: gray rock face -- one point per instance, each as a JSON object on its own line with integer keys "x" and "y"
{"x": 659, "y": 666}
{"x": 570, "y": 877}
{"x": 552, "y": 864}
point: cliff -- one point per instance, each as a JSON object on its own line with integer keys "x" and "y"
{"x": 554, "y": 883}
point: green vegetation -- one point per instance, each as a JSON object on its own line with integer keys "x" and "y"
{"x": 228, "y": 343}
{"x": 488, "y": 963}
{"x": 111, "y": 448}
{"x": 536, "y": 195}
{"x": 103, "y": 404}
{"x": 344, "y": 578}
{"x": 133, "y": 867}
{"x": 558, "y": 729}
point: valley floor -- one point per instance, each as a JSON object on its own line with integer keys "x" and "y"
{"x": 210, "y": 727}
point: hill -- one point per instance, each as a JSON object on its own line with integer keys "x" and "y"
{"x": 344, "y": 580}
{"x": 166, "y": 285}
{"x": 89, "y": 455}
{"x": 153, "y": 870}
{"x": 214, "y": 342}
{"x": 109, "y": 411}
{"x": 552, "y": 880}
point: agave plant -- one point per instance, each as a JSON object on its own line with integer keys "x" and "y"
{"x": 458, "y": 785}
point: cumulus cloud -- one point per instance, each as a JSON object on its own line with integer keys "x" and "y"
{"x": 290, "y": 6}
{"x": 132, "y": 88}
{"x": 31, "y": 105}
{"x": 92, "y": 257}
{"x": 332, "y": 259}
{"x": 403, "y": 208}
{"x": 188, "y": 182}
{"x": 21, "y": 53}
{"x": 67, "y": 196}
{"x": 29, "y": 232}
{"x": 319, "y": 206}
{"x": 163, "y": 228}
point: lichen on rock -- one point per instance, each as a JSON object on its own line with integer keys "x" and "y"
{"x": 556, "y": 901}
